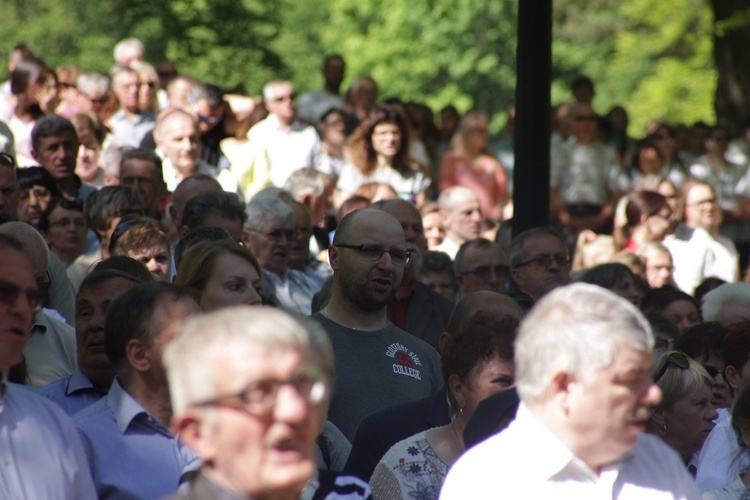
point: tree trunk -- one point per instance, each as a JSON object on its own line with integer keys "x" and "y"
{"x": 732, "y": 57}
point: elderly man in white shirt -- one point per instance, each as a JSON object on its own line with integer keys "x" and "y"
{"x": 582, "y": 362}
{"x": 284, "y": 142}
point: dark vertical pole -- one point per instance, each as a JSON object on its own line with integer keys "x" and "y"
{"x": 532, "y": 139}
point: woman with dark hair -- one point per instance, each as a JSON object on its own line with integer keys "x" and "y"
{"x": 36, "y": 189}
{"x": 676, "y": 305}
{"x": 477, "y": 363}
{"x": 615, "y": 277}
{"x": 469, "y": 163}
{"x": 648, "y": 219}
{"x": 33, "y": 89}
{"x": 379, "y": 152}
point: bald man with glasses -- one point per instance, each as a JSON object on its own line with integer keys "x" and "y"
{"x": 378, "y": 365}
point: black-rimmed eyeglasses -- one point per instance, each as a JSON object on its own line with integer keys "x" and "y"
{"x": 374, "y": 253}
{"x": 9, "y": 293}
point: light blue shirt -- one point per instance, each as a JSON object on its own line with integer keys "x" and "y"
{"x": 40, "y": 454}
{"x": 130, "y": 454}
{"x": 72, "y": 393}
{"x": 129, "y": 132}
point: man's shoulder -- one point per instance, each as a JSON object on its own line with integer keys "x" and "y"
{"x": 31, "y": 403}
{"x": 55, "y": 389}
{"x": 96, "y": 412}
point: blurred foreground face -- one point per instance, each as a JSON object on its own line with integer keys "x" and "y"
{"x": 261, "y": 444}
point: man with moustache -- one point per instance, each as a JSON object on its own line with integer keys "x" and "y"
{"x": 415, "y": 308}
{"x": 582, "y": 372}
{"x": 378, "y": 365}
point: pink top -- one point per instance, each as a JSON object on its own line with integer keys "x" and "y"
{"x": 486, "y": 177}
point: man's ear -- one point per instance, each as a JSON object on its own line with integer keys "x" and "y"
{"x": 172, "y": 213}
{"x": 563, "y": 388}
{"x": 333, "y": 257}
{"x": 733, "y": 378}
{"x": 307, "y": 200}
{"x": 515, "y": 275}
{"x": 191, "y": 427}
{"x": 443, "y": 341}
{"x": 137, "y": 355}
{"x": 35, "y": 156}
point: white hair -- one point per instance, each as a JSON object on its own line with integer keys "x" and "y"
{"x": 124, "y": 46}
{"x": 576, "y": 329}
{"x": 207, "y": 342}
{"x": 260, "y": 210}
{"x": 716, "y": 299}
{"x": 92, "y": 81}
{"x": 651, "y": 248}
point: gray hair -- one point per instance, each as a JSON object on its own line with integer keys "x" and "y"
{"x": 192, "y": 359}
{"x": 126, "y": 44}
{"x": 717, "y": 298}
{"x": 515, "y": 254}
{"x": 92, "y": 81}
{"x": 259, "y": 211}
{"x": 576, "y": 329}
{"x": 306, "y": 181}
{"x": 651, "y": 248}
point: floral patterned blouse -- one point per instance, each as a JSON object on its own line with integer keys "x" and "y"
{"x": 411, "y": 470}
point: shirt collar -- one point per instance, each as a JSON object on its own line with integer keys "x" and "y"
{"x": 78, "y": 382}
{"x": 124, "y": 407}
{"x": 558, "y": 462}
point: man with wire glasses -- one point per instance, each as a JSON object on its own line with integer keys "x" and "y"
{"x": 377, "y": 364}
{"x": 40, "y": 452}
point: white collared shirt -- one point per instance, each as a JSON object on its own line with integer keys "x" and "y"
{"x": 528, "y": 461}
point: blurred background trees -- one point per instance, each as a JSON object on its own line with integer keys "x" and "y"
{"x": 683, "y": 60}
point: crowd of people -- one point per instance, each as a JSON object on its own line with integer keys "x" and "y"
{"x": 205, "y": 294}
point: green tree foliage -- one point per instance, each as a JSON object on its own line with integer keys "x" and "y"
{"x": 223, "y": 41}
{"x": 654, "y": 58}
{"x": 440, "y": 52}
